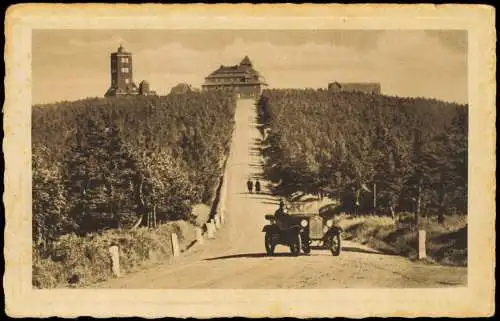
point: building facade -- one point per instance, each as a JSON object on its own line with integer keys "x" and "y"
{"x": 243, "y": 78}
{"x": 122, "y": 81}
{"x": 366, "y": 87}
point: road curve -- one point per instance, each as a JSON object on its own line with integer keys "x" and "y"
{"x": 236, "y": 259}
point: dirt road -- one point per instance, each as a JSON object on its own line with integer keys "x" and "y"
{"x": 236, "y": 259}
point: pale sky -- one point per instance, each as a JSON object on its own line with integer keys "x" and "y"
{"x": 74, "y": 64}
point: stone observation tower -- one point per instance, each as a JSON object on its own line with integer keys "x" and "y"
{"x": 122, "y": 82}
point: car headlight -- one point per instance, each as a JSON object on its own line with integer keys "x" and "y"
{"x": 329, "y": 223}
{"x": 303, "y": 223}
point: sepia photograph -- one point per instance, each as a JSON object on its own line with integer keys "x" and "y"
{"x": 252, "y": 161}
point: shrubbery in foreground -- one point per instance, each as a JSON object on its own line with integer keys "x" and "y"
{"x": 80, "y": 261}
{"x": 446, "y": 243}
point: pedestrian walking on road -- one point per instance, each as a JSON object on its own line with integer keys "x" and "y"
{"x": 250, "y": 186}
{"x": 257, "y": 186}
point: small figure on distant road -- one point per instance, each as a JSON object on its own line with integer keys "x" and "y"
{"x": 250, "y": 186}
{"x": 257, "y": 186}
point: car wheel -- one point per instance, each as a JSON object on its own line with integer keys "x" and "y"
{"x": 334, "y": 244}
{"x": 306, "y": 248}
{"x": 295, "y": 245}
{"x": 268, "y": 240}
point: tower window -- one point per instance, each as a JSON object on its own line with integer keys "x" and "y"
{"x": 124, "y": 69}
{"x": 126, "y": 80}
{"x": 125, "y": 60}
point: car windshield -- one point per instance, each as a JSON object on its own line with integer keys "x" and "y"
{"x": 302, "y": 208}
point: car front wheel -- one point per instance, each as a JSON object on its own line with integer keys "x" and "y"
{"x": 268, "y": 240}
{"x": 333, "y": 244}
{"x": 306, "y": 248}
{"x": 295, "y": 245}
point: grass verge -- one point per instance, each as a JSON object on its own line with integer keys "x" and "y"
{"x": 79, "y": 261}
{"x": 446, "y": 242}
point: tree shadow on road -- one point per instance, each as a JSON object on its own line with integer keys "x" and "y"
{"x": 257, "y": 194}
{"x": 250, "y": 255}
{"x": 271, "y": 203}
{"x": 360, "y": 250}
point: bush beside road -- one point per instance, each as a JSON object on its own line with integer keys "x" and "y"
{"x": 80, "y": 261}
{"x": 446, "y": 242}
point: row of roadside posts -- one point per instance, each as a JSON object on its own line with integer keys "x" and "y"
{"x": 211, "y": 227}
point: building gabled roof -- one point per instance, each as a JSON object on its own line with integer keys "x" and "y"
{"x": 121, "y": 50}
{"x": 245, "y": 67}
{"x": 227, "y": 70}
{"x": 246, "y": 62}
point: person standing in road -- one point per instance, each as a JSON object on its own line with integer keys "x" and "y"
{"x": 257, "y": 186}
{"x": 250, "y": 186}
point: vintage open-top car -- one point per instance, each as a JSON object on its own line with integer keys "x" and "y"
{"x": 302, "y": 230}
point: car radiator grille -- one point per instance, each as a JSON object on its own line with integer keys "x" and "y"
{"x": 316, "y": 227}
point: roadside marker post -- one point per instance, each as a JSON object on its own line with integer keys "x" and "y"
{"x": 199, "y": 235}
{"x": 115, "y": 260}
{"x": 210, "y": 230}
{"x": 175, "y": 245}
{"x": 421, "y": 244}
{"x": 217, "y": 221}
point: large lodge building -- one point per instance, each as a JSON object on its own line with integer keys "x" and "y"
{"x": 247, "y": 82}
{"x": 243, "y": 78}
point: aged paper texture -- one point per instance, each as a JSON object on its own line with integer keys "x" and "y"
{"x": 22, "y": 22}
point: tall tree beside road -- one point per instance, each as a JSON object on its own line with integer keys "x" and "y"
{"x": 50, "y": 217}
{"x": 118, "y": 161}
{"x": 413, "y": 149}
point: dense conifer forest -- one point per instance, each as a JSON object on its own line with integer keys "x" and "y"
{"x": 126, "y": 161}
{"x": 414, "y": 150}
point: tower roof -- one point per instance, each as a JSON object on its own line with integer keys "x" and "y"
{"x": 246, "y": 62}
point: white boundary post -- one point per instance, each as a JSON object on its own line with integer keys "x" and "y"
{"x": 210, "y": 230}
{"x": 421, "y": 244}
{"x": 115, "y": 260}
{"x": 217, "y": 221}
{"x": 175, "y": 245}
{"x": 199, "y": 235}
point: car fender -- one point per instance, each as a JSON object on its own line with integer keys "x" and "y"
{"x": 295, "y": 229}
{"x": 298, "y": 229}
{"x": 334, "y": 230}
{"x": 270, "y": 228}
